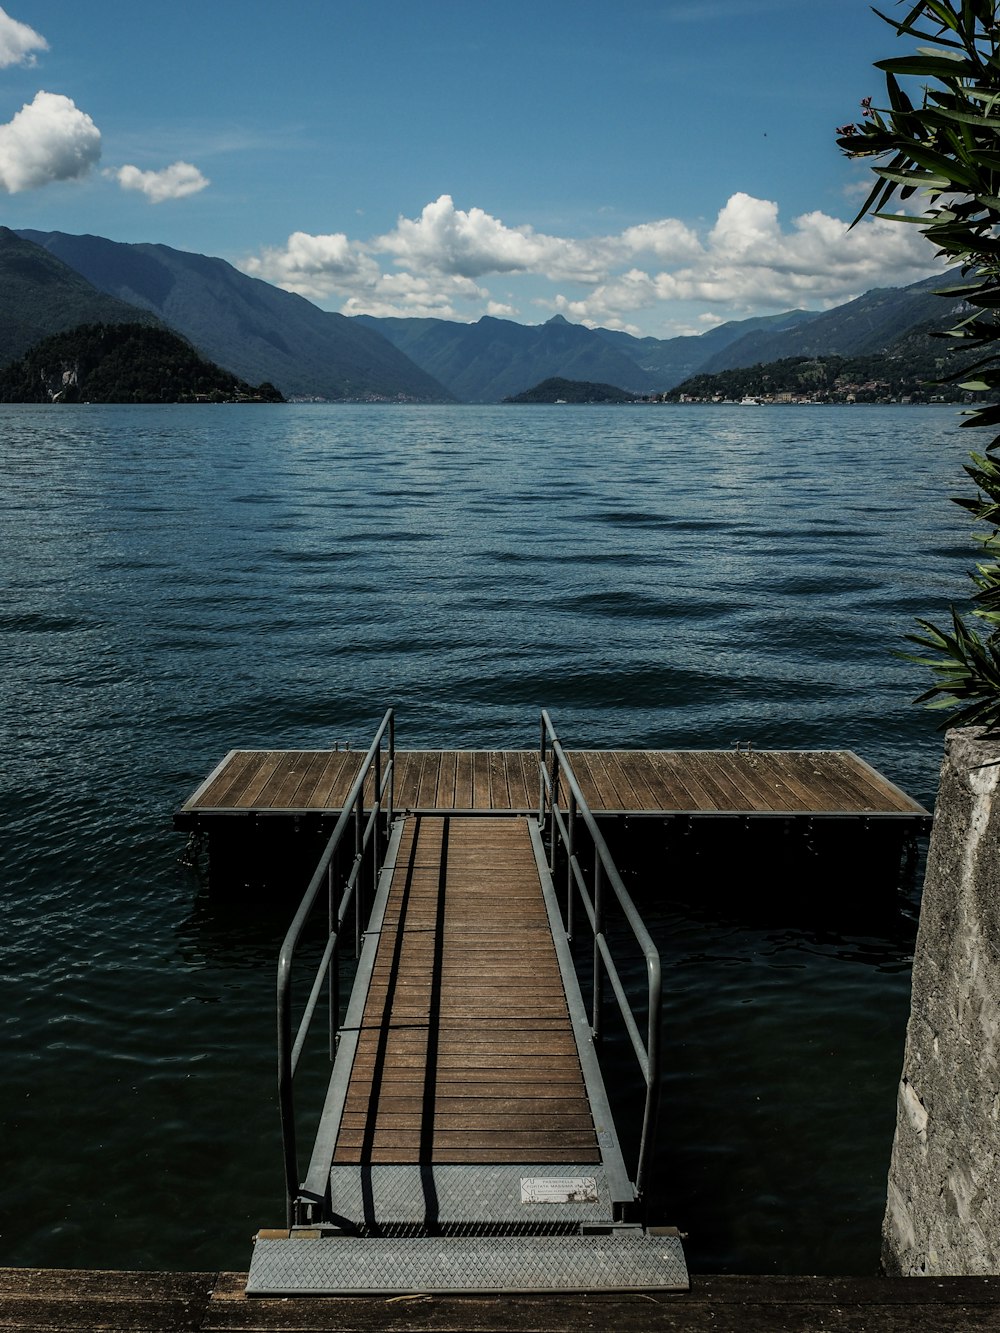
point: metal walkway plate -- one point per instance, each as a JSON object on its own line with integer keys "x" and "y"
{"x": 392, "y": 1195}
{"x": 617, "y": 1261}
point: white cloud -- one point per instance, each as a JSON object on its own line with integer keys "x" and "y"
{"x": 743, "y": 262}
{"x": 447, "y": 239}
{"x": 316, "y": 266}
{"x": 449, "y": 297}
{"x": 18, "y": 42}
{"x": 174, "y": 182}
{"x": 50, "y": 139}
{"x": 668, "y": 240}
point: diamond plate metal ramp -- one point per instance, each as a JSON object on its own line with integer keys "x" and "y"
{"x": 445, "y": 1196}
{"x": 620, "y": 1260}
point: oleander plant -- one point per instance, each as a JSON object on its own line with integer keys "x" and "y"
{"x": 943, "y": 153}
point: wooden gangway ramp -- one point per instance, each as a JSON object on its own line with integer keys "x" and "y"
{"x": 465, "y": 1051}
{"x": 466, "y": 1141}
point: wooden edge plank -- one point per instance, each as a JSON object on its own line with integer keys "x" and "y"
{"x": 879, "y": 783}
{"x": 230, "y": 778}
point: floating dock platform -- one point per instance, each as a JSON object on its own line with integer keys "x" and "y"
{"x": 664, "y": 784}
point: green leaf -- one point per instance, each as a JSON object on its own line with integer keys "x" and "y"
{"x": 946, "y": 66}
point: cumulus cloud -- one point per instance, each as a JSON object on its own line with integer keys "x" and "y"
{"x": 18, "y": 42}
{"x": 316, "y": 266}
{"x": 743, "y": 261}
{"x": 50, "y": 139}
{"x": 174, "y": 182}
{"x": 446, "y": 239}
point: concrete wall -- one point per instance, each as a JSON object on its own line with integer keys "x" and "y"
{"x": 943, "y": 1210}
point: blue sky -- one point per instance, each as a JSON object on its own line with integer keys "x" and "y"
{"x": 653, "y": 165}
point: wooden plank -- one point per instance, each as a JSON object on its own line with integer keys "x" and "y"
{"x": 871, "y": 789}
{"x": 652, "y": 792}
{"x": 499, "y": 791}
{"x": 429, "y": 770}
{"x": 787, "y": 774}
{"x": 672, "y": 766}
{"x": 289, "y": 772}
{"x": 522, "y": 778}
{"x": 721, "y": 792}
{"x": 724, "y": 1304}
{"x": 618, "y": 769}
{"x": 676, "y": 795}
{"x": 248, "y": 797}
{"x": 586, "y": 779}
{"x": 405, "y": 786}
{"x": 322, "y": 781}
{"x": 480, "y": 780}
{"x": 780, "y": 785}
{"x": 237, "y": 772}
{"x": 46, "y": 1300}
{"x": 448, "y": 768}
{"x": 758, "y": 782}
{"x": 464, "y": 783}
{"x": 485, "y": 900}
{"x": 39, "y": 1300}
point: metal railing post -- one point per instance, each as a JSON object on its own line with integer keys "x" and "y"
{"x": 358, "y": 868}
{"x": 570, "y": 863}
{"x": 542, "y": 747}
{"x": 646, "y": 1049}
{"x": 328, "y": 870}
{"x": 595, "y": 1022}
{"x": 333, "y": 972}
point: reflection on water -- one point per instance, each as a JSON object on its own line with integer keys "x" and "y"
{"x": 186, "y": 581}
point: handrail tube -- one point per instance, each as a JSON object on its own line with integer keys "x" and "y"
{"x": 631, "y": 1026}
{"x": 595, "y": 1021}
{"x": 311, "y": 1003}
{"x": 286, "y": 1106}
{"x": 635, "y": 921}
{"x": 648, "y": 1053}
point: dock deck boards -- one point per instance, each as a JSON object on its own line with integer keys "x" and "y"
{"x": 466, "y": 1053}
{"x": 668, "y": 782}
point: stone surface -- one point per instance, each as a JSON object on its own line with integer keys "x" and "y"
{"x": 943, "y": 1207}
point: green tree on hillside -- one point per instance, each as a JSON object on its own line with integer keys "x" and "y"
{"x": 945, "y": 150}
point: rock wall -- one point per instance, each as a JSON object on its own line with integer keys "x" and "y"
{"x": 943, "y": 1209}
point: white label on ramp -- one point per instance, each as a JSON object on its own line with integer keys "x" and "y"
{"x": 558, "y": 1189}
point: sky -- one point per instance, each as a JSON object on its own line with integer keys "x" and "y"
{"x": 656, "y": 166}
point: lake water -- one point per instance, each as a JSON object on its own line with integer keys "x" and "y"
{"x": 182, "y": 581}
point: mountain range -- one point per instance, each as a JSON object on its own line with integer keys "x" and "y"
{"x": 50, "y": 281}
{"x": 251, "y": 328}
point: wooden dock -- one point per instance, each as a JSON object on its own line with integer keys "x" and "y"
{"x": 467, "y": 1140}
{"x": 663, "y": 783}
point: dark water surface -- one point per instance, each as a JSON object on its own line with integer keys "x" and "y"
{"x": 182, "y": 581}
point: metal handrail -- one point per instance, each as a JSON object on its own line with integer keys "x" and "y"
{"x": 352, "y": 816}
{"x": 555, "y": 770}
